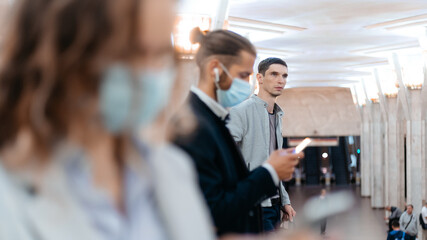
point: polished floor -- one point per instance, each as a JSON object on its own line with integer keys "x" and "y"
{"x": 360, "y": 222}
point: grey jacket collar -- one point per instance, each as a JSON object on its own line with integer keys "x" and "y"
{"x": 259, "y": 101}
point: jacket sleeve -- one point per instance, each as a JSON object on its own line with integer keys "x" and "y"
{"x": 285, "y": 196}
{"x": 237, "y": 124}
{"x": 394, "y": 212}
{"x": 226, "y": 203}
{"x": 415, "y": 228}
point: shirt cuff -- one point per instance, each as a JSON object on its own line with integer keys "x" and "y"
{"x": 272, "y": 172}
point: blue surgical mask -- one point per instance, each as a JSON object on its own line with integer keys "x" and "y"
{"x": 130, "y": 100}
{"x": 239, "y": 91}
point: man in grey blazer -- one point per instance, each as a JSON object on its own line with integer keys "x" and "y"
{"x": 256, "y": 127}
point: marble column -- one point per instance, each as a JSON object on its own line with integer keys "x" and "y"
{"x": 365, "y": 161}
{"x": 221, "y": 14}
{"x": 403, "y": 113}
{"x": 414, "y": 159}
{"x": 394, "y": 186}
{"x": 401, "y": 142}
{"x": 377, "y": 153}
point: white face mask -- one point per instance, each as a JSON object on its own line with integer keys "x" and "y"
{"x": 238, "y": 92}
{"x": 127, "y": 104}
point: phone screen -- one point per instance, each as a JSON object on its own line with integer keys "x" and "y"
{"x": 303, "y": 145}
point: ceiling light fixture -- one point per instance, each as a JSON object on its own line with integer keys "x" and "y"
{"x": 388, "y": 81}
{"x": 265, "y": 25}
{"x": 181, "y": 35}
{"x": 406, "y": 20}
{"x": 257, "y": 31}
{"x": 412, "y": 71}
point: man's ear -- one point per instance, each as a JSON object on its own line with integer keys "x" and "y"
{"x": 259, "y": 78}
{"x": 212, "y": 65}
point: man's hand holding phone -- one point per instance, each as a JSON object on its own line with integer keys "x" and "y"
{"x": 284, "y": 162}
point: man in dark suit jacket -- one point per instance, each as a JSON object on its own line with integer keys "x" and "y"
{"x": 233, "y": 194}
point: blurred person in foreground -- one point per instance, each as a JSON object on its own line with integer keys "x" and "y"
{"x": 232, "y": 192}
{"x": 79, "y": 79}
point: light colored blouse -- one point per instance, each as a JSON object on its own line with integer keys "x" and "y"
{"x": 140, "y": 219}
{"x": 161, "y": 196}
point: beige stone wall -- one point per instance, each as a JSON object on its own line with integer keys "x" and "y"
{"x": 325, "y": 111}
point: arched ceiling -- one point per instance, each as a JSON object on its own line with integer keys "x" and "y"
{"x": 328, "y": 42}
{"x": 325, "y": 42}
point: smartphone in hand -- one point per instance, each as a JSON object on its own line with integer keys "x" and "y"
{"x": 302, "y": 145}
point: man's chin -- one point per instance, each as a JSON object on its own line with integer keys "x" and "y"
{"x": 276, "y": 94}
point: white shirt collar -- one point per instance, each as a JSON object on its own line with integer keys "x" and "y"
{"x": 214, "y": 106}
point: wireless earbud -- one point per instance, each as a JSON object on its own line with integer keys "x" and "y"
{"x": 216, "y": 71}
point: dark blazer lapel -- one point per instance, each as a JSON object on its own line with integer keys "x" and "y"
{"x": 221, "y": 126}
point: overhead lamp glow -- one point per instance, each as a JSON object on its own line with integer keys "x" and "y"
{"x": 359, "y": 94}
{"x": 371, "y": 89}
{"x": 412, "y": 70}
{"x": 388, "y": 80}
{"x": 181, "y": 35}
{"x": 325, "y": 155}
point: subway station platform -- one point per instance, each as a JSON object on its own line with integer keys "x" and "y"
{"x": 361, "y": 222}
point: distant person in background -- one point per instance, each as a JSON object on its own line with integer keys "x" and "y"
{"x": 423, "y": 219}
{"x": 79, "y": 81}
{"x": 424, "y": 212}
{"x": 323, "y": 222}
{"x": 256, "y": 126}
{"x": 395, "y": 215}
{"x": 396, "y": 233}
{"x": 409, "y": 222}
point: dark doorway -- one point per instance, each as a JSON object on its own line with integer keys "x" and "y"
{"x": 334, "y": 164}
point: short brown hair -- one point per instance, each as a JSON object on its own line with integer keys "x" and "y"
{"x": 221, "y": 43}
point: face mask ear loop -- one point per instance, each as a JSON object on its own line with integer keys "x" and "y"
{"x": 226, "y": 71}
